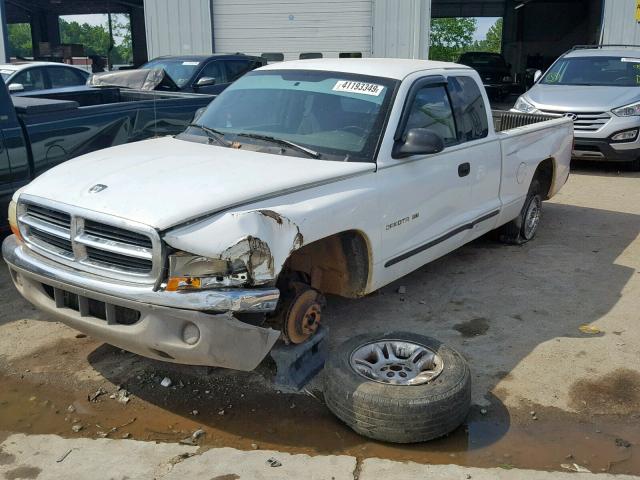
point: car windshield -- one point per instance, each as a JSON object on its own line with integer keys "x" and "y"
{"x": 482, "y": 60}
{"x": 6, "y": 74}
{"x": 337, "y": 116}
{"x": 597, "y": 71}
{"x": 180, "y": 71}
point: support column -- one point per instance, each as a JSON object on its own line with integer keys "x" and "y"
{"x": 138, "y": 36}
{"x": 4, "y": 38}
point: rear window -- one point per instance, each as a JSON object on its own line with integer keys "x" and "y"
{"x": 469, "y": 109}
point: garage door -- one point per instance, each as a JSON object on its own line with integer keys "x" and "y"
{"x": 330, "y": 27}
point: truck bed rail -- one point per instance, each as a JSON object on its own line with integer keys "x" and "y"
{"x": 503, "y": 120}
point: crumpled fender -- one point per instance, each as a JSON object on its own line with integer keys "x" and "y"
{"x": 262, "y": 239}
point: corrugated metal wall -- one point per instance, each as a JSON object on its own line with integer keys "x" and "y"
{"x": 619, "y": 23}
{"x": 176, "y": 27}
{"x": 401, "y": 28}
{"x": 293, "y": 27}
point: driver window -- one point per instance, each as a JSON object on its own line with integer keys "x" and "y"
{"x": 431, "y": 109}
{"x": 31, "y": 79}
{"x": 214, "y": 70}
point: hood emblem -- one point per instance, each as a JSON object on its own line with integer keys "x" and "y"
{"x": 97, "y": 188}
{"x": 572, "y": 116}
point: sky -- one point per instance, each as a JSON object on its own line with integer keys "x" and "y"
{"x": 484, "y": 23}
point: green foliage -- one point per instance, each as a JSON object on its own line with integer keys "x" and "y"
{"x": 20, "y": 40}
{"x": 451, "y": 37}
{"x": 95, "y": 38}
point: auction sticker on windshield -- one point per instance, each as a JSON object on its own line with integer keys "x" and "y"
{"x": 358, "y": 87}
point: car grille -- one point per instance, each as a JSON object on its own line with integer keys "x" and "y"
{"x": 585, "y": 121}
{"x": 132, "y": 253}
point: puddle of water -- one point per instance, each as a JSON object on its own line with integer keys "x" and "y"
{"x": 234, "y": 414}
{"x": 472, "y": 328}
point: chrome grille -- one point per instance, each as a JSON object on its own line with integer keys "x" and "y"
{"x": 585, "y": 121}
{"x": 90, "y": 241}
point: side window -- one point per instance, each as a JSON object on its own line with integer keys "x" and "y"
{"x": 214, "y": 70}
{"x": 469, "y": 108}
{"x": 64, "y": 77}
{"x": 237, "y": 68}
{"x": 31, "y": 79}
{"x": 431, "y": 109}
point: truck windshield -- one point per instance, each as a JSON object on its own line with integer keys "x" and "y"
{"x": 180, "y": 71}
{"x": 596, "y": 71}
{"x": 336, "y": 115}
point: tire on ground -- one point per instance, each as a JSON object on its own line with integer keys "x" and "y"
{"x": 513, "y": 233}
{"x": 398, "y": 413}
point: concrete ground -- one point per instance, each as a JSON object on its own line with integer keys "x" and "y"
{"x": 549, "y": 394}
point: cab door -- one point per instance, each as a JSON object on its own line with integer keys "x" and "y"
{"x": 425, "y": 199}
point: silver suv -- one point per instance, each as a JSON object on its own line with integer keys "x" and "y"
{"x": 599, "y": 87}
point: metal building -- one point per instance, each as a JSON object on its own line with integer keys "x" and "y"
{"x": 621, "y": 22}
{"x": 331, "y": 28}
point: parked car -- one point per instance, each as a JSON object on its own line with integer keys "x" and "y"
{"x": 205, "y": 73}
{"x": 49, "y": 127}
{"x": 28, "y": 76}
{"x": 599, "y": 87}
{"x": 494, "y": 71}
{"x": 333, "y": 180}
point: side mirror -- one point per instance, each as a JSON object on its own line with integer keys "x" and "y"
{"x": 16, "y": 87}
{"x": 419, "y": 141}
{"x": 537, "y": 75}
{"x": 206, "y": 81}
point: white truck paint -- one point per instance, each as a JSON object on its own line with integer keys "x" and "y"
{"x": 270, "y": 211}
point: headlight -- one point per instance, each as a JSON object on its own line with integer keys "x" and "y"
{"x": 13, "y": 219}
{"x": 194, "y": 272}
{"x": 628, "y": 110}
{"x": 523, "y": 106}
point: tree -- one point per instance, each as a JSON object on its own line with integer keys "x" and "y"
{"x": 20, "y": 44}
{"x": 493, "y": 40}
{"x": 95, "y": 38}
{"x": 450, "y": 37}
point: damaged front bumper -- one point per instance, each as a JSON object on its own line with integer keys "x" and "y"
{"x": 194, "y": 328}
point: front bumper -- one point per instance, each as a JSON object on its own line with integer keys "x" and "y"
{"x": 604, "y": 150}
{"x": 170, "y": 326}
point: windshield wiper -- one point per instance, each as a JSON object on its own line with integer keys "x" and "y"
{"x": 212, "y": 134}
{"x": 283, "y": 142}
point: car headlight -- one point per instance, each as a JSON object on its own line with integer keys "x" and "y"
{"x": 628, "y": 110}
{"x": 13, "y": 219}
{"x": 195, "y": 272}
{"x": 523, "y": 106}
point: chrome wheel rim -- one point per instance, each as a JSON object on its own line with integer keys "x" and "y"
{"x": 396, "y": 362}
{"x": 532, "y": 218}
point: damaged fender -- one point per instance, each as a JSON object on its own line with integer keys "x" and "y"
{"x": 262, "y": 239}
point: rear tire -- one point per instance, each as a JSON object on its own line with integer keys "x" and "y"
{"x": 522, "y": 229}
{"x": 398, "y": 413}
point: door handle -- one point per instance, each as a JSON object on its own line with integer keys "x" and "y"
{"x": 464, "y": 169}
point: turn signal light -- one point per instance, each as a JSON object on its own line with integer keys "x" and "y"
{"x": 182, "y": 283}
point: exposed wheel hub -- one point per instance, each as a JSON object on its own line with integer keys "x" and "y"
{"x": 532, "y": 218}
{"x": 303, "y": 316}
{"x": 397, "y": 362}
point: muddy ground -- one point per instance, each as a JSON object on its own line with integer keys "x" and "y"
{"x": 545, "y": 393}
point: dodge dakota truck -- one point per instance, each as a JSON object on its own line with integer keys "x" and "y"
{"x": 47, "y": 127}
{"x": 302, "y": 179}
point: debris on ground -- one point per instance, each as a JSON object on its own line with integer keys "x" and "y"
{"x": 621, "y": 442}
{"x": 94, "y": 396}
{"x": 63, "y": 456}
{"x": 71, "y": 409}
{"x": 574, "y": 467}
{"x": 402, "y": 290}
{"x": 483, "y": 411}
{"x": 77, "y": 427}
{"x": 588, "y": 329}
{"x": 166, "y": 382}
{"x": 123, "y": 396}
{"x": 193, "y": 439}
{"x": 103, "y": 434}
{"x": 272, "y": 462}
{"x": 195, "y": 412}
{"x": 254, "y": 446}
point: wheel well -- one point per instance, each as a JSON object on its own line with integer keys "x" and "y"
{"x": 337, "y": 265}
{"x": 545, "y": 174}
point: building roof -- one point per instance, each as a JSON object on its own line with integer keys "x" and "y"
{"x": 397, "y": 68}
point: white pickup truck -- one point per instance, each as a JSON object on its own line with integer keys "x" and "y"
{"x": 305, "y": 178}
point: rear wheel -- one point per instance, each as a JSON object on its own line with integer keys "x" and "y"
{"x": 524, "y": 228}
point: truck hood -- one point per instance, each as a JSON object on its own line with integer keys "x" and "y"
{"x": 574, "y": 99}
{"x": 164, "y": 182}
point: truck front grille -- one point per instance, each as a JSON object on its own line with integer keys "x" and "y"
{"x": 78, "y": 238}
{"x": 585, "y": 121}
